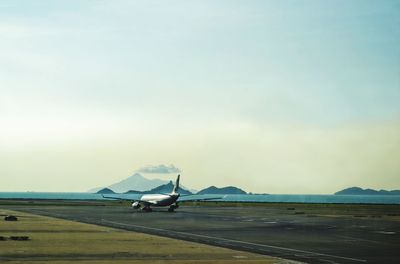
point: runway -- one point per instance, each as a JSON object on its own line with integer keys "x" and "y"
{"x": 310, "y": 236}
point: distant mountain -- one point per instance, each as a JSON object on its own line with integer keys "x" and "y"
{"x": 360, "y": 191}
{"x": 224, "y": 190}
{"x": 134, "y": 182}
{"x": 165, "y": 188}
{"x": 137, "y": 184}
{"x": 105, "y": 191}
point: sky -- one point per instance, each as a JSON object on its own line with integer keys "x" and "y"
{"x": 282, "y": 96}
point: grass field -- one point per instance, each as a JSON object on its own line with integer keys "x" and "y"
{"x": 61, "y": 241}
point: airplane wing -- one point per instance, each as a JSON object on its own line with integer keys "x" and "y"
{"x": 186, "y": 198}
{"x": 128, "y": 199}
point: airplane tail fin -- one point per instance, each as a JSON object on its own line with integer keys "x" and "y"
{"x": 176, "y": 187}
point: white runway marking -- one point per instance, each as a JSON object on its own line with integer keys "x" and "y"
{"x": 235, "y": 241}
{"x": 355, "y": 239}
{"x": 386, "y": 232}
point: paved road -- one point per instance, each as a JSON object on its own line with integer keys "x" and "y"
{"x": 278, "y": 232}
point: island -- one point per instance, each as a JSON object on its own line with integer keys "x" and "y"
{"x": 361, "y": 191}
{"x": 105, "y": 191}
{"x": 164, "y": 188}
{"x": 224, "y": 190}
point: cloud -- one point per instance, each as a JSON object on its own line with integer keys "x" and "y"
{"x": 159, "y": 169}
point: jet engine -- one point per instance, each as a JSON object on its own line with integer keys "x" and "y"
{"x": 136, "y": 205}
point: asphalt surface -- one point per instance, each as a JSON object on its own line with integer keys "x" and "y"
{"x": 284, "y": 232}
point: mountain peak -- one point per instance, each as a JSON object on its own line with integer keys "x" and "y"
{"x": 136, "y": 182}
{"x": 137, "y": 175}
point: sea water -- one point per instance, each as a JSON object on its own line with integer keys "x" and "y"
{"x": 272, "y": 198}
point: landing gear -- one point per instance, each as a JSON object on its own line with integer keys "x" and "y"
{"x": 147, "y": 209}
{"x": 136, "y": 205}
{"x": 173, "y": 207}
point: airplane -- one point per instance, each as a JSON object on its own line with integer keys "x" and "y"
{"x": 164, "y": 199}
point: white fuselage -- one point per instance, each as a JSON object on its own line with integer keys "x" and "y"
{"x": 160, "y": 199}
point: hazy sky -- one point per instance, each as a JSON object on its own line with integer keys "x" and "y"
{"x": 270, "y": 96}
